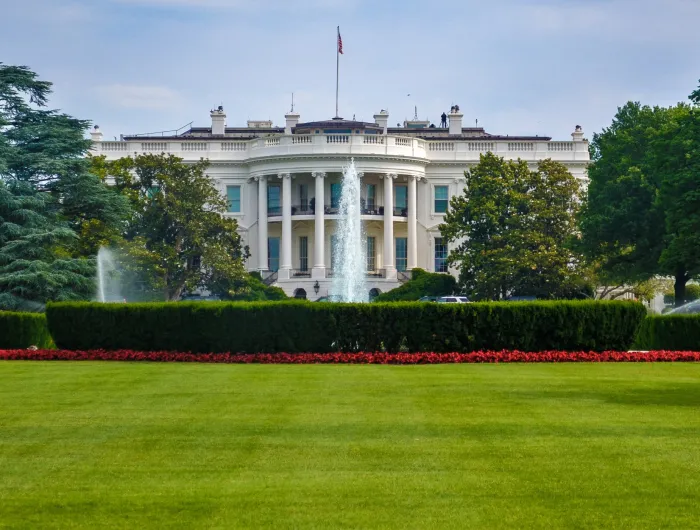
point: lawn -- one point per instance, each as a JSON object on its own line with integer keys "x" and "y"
{"x": 96, "y": 445}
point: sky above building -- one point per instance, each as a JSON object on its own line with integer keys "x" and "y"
{"x": 519, "y": 67}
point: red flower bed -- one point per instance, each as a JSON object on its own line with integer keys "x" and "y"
{"x": 354, "y": 358}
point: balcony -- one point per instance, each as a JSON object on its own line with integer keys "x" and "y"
{"x": 328, "y": 209}
{"x": 379, "y": 273}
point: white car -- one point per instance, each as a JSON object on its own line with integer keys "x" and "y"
{"x": 453, "y": 300}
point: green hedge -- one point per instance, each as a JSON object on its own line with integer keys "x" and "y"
{"x": 21, "y": 330}
{"x": 669, "y": 332}
{"x": 300, "y": 326}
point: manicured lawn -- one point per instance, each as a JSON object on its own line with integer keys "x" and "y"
{"x": 96, "y": 445}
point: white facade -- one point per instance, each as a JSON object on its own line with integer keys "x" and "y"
{"x": 275, "y": 177}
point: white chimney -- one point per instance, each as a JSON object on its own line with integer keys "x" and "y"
{"x": 382, "y": 119}
{"x": 292, "y": 120}
{"x": 455, "y": 117}
{"x": 577, "y": 135}
{"x": 96, "y": 134}
{"x": 218, "y": 121}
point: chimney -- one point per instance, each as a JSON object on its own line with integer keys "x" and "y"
{"x": 382, "y": 119}
{"x": 218, "y": 121}
{"x": 96, "y": 134}
{"x": 292, "y": 120}
{"x": 455, "y": 117}
{"x": 577, "y": 135}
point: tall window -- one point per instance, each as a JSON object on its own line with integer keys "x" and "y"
{"x": 273, "y": 253}
{"x": 401, "y": 253}
{"x": 401, "y": 200}
{"x": 441, "y": 199}
{"x": 335, "y": 195}
{"x": 303, "y": 197}
{"x": 371, "y": 253}
{"x": 303, "y": 253}
{"x": 440, "y": 255}
{"x": 234, "y": 198}
{"x": 371, "y": 196}
{"x": 274, "y": 205}
{"x": 334, "y": 240}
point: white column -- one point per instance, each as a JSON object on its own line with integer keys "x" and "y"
{"x": 412, "y": 224}
{"x": 389, "y": 264}
{"x": 286, "y": 254}
{"x": 319, "y": 268}
{"x": 262, "y": 223}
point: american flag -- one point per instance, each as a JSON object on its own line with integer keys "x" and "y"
{"x": 340, "y": 42}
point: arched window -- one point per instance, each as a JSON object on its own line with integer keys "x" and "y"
{"x": 300, "y": 293}
{"x": 373, "y": 293}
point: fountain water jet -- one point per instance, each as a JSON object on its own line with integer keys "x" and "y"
{"x": 107, "y": 284}
{"x": 350, "y": 262}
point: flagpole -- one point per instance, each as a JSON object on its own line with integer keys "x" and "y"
{"x": 337, "y": 71}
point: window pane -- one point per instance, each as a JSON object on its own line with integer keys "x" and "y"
{"x": 441, "y": 199}
{"x": 303, "y": 196}
{"x": 303, "y": 253}
{"x": 234, "y": 198}
{"x": 440, "y": 255}
{"x": 274, "y": 206}
{"x": 401, "y": 253}
{"x": 401, "y": 197}
{"x": 273, "y": 253}
{"x": 371, "y": 196}
{"x": 335, "y": 195}
{"x": 371, "y": 253}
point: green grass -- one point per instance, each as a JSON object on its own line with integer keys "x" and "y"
{"x": 96, "y": 445}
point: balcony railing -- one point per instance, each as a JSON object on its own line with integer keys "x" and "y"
{"x": 400, "y": 212}
{"x": 403, "y": 276}
{"x": 269, "y": 277}
{"x": 301, "y": 273}
{"x": 378, "y": 273}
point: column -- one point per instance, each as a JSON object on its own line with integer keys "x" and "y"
{"x": 262, "y": 223}
{"x": 319, "y": 268}
{"x": 389, "y": 264}
{"x": 412, "y": 224}
{"x": 286, "y": 253}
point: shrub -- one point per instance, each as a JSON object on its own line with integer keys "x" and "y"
{"x": 421, "y": 284}
{"x": 692, "y": 292}
{"x": 669, "y": 332}
{"x": 21, "y": 330}
{"x": 300, "y": 326}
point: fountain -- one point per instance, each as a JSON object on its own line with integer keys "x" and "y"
{"x": 350, "y": 263}
{"x": 107, "y": 282}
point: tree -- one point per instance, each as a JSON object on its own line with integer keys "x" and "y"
{"x": 642, "y": 214}
{"x": 249, "y": 288}
{"x": 510, "y": 230}
{"x": 48, "y": 149}
{"x": 34, "y": 268}
{"x": 177, "y": 213}
{"x": 421, "y": 284}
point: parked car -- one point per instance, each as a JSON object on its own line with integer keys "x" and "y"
{"x": 690, "y": 308}
{"x": 453, "y": 300}
{"x": 428, "y": 299}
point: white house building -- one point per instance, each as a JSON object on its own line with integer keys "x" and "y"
{"x": 283, "y": 187}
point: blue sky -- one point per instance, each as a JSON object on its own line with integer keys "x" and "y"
{"x": 518, "y": 66}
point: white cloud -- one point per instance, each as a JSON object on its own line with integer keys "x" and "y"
{"x": 140, "y": 96}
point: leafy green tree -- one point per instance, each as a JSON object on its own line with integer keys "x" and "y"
{"x": 510, "y": 230}
{"x": 421, "y": 284}
{"x": 34, "y": 268}
{"x": 248, "y": 288}
{"x": 177, "y": 213}
{"x": 642, "y": 214}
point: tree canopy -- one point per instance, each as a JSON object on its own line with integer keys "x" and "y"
{"x": 510, "y": 230}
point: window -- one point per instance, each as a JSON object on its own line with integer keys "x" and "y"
{"x": 303, "y": 197}
{"x": 273, "y": 253}
{"x": 234, "y": 198}
{"x": 371, "y": 196}
{"x": 274, "y": 206}
{"x": 334, "y": 241}
{"x": 303, "y": 253}
{"x": 335, "y": 195}
{"x": 401, "y": 200}
{"x": 440, "y": 255}
{"x": 401, "y": 253}
{"x": 371, "y": 253}
{"x": 441, "y": 199}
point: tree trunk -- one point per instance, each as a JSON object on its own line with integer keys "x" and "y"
{"x": 679, "y": 288}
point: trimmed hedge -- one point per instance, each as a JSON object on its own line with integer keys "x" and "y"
{"x": 300, "y": 326}
{"x": 669, "y": 332}
{"x": 21, "y": 330}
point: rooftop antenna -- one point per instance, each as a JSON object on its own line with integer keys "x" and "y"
{"x": 415, "y": 113}
{"x": 477, "y": 123}
{"x": 292, "y": 111}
